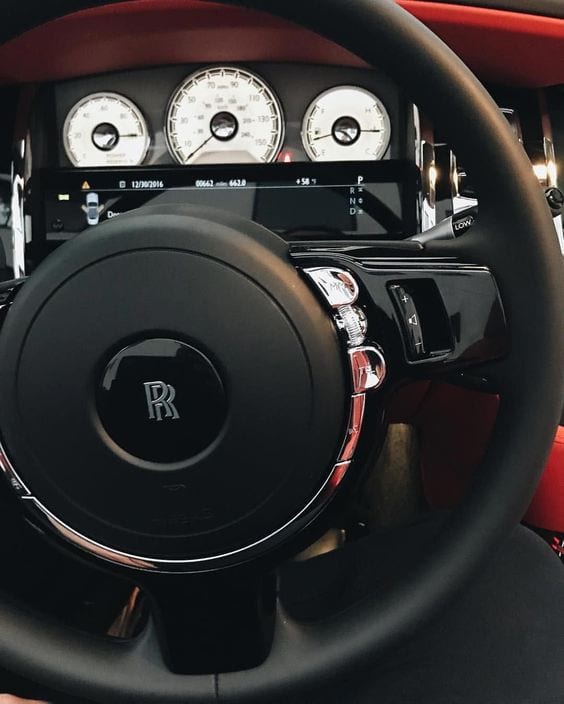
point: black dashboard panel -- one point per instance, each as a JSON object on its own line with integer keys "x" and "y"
{"x": 414, "y": 184}
{"x": 294, "y": 196}
{"x": 299, "y": 201}
{"x": 296, "y": 86}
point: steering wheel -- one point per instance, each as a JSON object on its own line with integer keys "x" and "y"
{"x": 183, "y": 399}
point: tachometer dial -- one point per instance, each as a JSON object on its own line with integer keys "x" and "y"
{"x": 346, "y": 123}
{"x": 105, "y": 129}
{"x": 224, "y": 115}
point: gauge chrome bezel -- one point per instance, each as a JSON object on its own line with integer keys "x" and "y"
{"x": 311, "y": 107}
{"x": 264, "y": 84}
{"x": 113, "y": 96}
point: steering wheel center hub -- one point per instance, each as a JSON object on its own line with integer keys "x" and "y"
{"x": 180, "y": 393}
{"x": 162, "y": 400}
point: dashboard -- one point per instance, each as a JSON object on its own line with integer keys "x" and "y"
{"x": 320, "y": 153}
{"x": 224, "y": 114}
{"x": 313, "y": 153}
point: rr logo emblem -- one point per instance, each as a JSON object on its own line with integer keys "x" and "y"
{"x": 160, "y": 400}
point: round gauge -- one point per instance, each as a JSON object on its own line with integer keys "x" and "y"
{"x": 346, "y": 123}
{"x": 105, "y": 129}
{"x": 224, "y": 115}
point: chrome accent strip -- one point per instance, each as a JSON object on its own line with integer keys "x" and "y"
{"x": 339, "y": 471}
{"x": 125, "y": 623}
{"x": 550, "y": 159}
{"x": 459, "y": 203}
{"x": 21, "y": 173}
{"x": 11, "y": 475}
{"x": 512, "y": 116}
{"x": 17, "y": 206}
{"x": 358, "y": 404}
{"x": 404, "y": 265}
{"x": 92, "y": 546}
{"x": 425, "y": 160}
{"x": 149, "y": 563}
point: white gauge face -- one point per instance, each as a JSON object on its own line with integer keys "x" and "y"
{"x": 346, "y": 123}
{"x": 105, "y": 129}
{"x": 224, "y": 115}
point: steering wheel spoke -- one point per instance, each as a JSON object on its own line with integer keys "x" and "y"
{"x": 232, "y": 614}
{"x": 433, "y": 310}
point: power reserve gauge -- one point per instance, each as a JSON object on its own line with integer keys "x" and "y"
{"x": 105, "y": 129}
{"x": 346, "y": 123}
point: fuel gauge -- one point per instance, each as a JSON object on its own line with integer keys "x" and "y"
{"x": 346, "y": 123}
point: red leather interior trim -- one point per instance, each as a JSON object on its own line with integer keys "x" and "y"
{"x": 404, "y": 404}
{"x": 502, "y": 46}
{"x": 454, "y": 428}
{"x": 547, "y": 508}
{"x": 155, "y": 32}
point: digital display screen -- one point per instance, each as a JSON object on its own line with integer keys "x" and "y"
{"x": 298, "y": 201}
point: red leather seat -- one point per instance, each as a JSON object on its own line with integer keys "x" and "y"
{"x": 455, "y": 426}
{"x": 547, "y": 509}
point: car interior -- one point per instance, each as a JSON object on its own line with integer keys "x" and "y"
{"x": 281, "y": 338}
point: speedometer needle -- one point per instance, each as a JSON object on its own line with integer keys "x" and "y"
{"x": 202, "y": 145}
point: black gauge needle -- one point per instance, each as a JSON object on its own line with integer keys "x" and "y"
{"x": 324, "y": 136}
{"x": 202, "y": 145}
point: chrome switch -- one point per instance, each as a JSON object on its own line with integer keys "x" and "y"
{"x": 368, "y": 368}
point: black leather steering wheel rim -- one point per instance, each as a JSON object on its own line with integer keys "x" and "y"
{"x": 516, "y": 238}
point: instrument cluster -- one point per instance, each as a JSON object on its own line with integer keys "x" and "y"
{"x": 224, "y": 115}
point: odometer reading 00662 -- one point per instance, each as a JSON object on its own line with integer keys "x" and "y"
{"x": 224, "y": 115}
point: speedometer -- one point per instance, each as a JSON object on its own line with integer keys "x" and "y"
{"x": 346, "y": 123}
{"x": 224, "y": 115}
{"x": 105, "y": 129}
